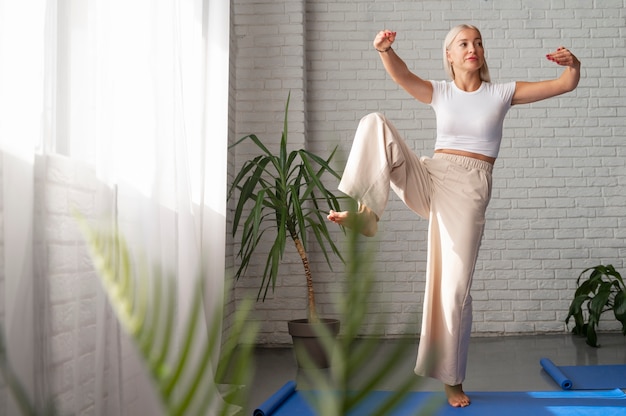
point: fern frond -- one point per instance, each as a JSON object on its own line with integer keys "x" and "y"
{"x": 180, "y": 364}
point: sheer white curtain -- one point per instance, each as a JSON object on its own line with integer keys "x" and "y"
{"x": 120, "y": 107}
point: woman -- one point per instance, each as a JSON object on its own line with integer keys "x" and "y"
{"x": 451, "y": 189}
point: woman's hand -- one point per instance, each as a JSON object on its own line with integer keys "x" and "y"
{"x": 562, "y": 56}
{"x": 384, "y": 39}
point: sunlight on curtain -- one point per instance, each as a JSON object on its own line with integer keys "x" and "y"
{"x": 149, "y": 127}
{"x": 22, "y": 48}
{"x": 215, "y": 150}
{"x": 133, "y": 91}
{"x": 217, "y": 109}
{"x": 21, "y": 98}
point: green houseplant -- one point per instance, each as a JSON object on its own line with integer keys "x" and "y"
{"x": 602, "y": 289}
{"x": 281, "y": 198}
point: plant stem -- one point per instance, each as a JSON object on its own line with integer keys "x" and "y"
{"x": 312, "y": 310}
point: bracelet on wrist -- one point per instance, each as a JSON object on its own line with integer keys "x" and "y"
{"x": 383, "y": 50}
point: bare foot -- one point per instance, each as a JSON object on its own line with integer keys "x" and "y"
{"x": 456, "y": 396}
{"x": 365, "y": 221}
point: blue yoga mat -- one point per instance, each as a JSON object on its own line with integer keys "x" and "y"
{"x": 559, "y": 403}
{"x": 276, "y": 400}
{"x": 586, "y": 377}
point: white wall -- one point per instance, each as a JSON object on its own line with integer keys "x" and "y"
{"x": 559, "y": 183}
{"x": 71, "y": 304}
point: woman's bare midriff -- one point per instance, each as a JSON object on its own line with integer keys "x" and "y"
{"x": 478, "y": 156}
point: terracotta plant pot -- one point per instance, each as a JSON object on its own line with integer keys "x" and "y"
{"x": 308, "y": 349}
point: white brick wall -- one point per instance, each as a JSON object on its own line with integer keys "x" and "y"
{"x": 559, "y": 183}
{"x": 71, "y": 282}
{"x": 69, "y": 303}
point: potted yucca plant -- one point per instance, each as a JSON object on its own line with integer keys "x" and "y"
{"x": 282, "y": 199}
{"x": 602, "y": 289}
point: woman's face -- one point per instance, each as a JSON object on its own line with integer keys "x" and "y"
{"x": 466, "y": 51}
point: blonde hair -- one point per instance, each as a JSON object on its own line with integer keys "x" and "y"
{"x": 484, "y": 70}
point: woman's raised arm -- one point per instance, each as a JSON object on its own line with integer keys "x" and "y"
{"x": 396, "y": 68}
{"x": 530, "y": 92}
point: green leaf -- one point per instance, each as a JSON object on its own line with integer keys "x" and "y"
{"x": 597, "y": 304}
{"x": 324, "y": 164}
{"x": 619, "y": 309}
{"x": 247, "y": 191}
{"x": 576, "y": 305}
{"x": 618, "y": 277}
{"x": 589, "y": 286}
{"x": 256, "y": 141}
{"x": 283, "y": 141}
{"x": 174, "y": 377}
{"x": 592, "y": 338}
{"x": 576, "y": 311}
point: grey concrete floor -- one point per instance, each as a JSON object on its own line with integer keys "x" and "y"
{"x": 503, "y": 363}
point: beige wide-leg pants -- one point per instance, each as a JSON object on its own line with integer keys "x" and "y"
{"x": 453, "y": 193}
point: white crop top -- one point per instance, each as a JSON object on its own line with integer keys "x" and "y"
{"x": 471, "y": 121}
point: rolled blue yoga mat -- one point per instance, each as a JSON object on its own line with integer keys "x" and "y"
{"x": 587, "y": 377}
{"x": 556, "y": 374}
{"x": 276, "y": 400}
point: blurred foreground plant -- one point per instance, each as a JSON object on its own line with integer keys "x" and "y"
{"x": 15, "y": 386}
{"x": 358, "y": 366}
{"x": 146, "y": 305}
